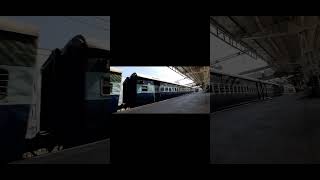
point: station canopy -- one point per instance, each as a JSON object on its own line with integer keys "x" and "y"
{"x": 289, "y": 44}
{"x": 198, "y": 74}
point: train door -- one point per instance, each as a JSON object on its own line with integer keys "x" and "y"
{"x": 101, "y": 94}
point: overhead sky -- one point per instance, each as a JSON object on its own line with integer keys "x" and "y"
{"x": 56, "y": 31}
{"x": 236, "y": 65}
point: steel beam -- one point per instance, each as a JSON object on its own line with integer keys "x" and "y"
{"x": 228, "y": 38}
{"x": 255, "y": 70}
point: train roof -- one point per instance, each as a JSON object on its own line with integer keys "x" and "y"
{"x": 94, "y": 43}
{"x": 156, "y": 79}
{"x": 113, "y": 69}
{"x": 11, "y": 26}
{"x": 239, "y": 76}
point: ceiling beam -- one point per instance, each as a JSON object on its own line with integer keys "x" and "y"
{"x": 267, "y": 52}
{"x": 255, "y": 70}
{"x": 274, "y": 45}
{"x": 264, "y": 36}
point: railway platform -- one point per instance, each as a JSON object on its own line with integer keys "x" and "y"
{"x": 93, "y": 153}
{"x": 285, "y": 130}
{"x": 194, "y": 103}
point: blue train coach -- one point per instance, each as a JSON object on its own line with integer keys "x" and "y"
{"x": 139, "y": 90}
{"x": 79, "y": 92}
{"x": 229, "y": 89}
{"x": 18, "y": 49}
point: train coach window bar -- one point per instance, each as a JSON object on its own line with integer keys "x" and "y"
{"x": 4, "y": 78}
{"x": 144, "y": 88}
{"x": 106, "y": 86}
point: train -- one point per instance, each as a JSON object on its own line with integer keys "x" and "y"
{"x": 79, "y": 92}
{"x": 140, "y": 90}
{"x": 66, "y": 101}
{"x": 18, "y": 50}
{"x": 228, "y": 89}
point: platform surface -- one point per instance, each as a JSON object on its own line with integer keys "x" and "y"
{"x": 285, "y": 129}
{"x": 93, "y": 153}
{"x": 195, "y": 103}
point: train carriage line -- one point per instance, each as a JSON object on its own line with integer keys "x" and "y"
{"x": 66, "y": 101}
{"x": 228, "y": 89}
{"x": 18, "y": 45}
{"x": 140, "y": 90}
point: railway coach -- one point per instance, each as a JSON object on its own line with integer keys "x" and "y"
{"x": 227, "y": 89}
{"x": 139, "y": 90}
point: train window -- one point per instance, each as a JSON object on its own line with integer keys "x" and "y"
{"x": 235, "y": 89}
{"x": 166, "y": 89}
{"x": 144, "y": 88}
{"x": 115, "y": 77}
{"x": 161, "y": 89}
{"x": 106, "y": 86}
{"x": 4, "y": 78}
